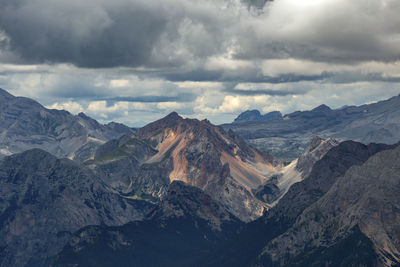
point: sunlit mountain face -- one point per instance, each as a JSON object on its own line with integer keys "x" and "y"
{"x": 199, "y": 133}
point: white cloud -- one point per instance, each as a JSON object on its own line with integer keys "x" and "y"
{"x": 119, "y": 83}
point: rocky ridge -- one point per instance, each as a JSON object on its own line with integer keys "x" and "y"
{"x": 288, "y": 138}
{"x": 26, "y": 124}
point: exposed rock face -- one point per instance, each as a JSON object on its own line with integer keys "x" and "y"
{"x": 246, "y": 249}
{"x": 366, "y": 197}
{"x": 317, "y": 149}
{"x": 279, "y": 184}
{"x": 288, "y": 138}
{"x": 192, "y": 151}
{"x": 43, "y": 200}
{"x": 255, "y": 115}
{"x": 25, "y": 124}
{"x": 180, "y": 231}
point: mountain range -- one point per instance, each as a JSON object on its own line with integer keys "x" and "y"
{"x": 184, "y": 192}
{"x": 346, "y": 215}
{"x": 288, "y": 137}
{"x": 25, "y": 124}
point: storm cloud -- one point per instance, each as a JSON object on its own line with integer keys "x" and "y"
{"x": 211, "y": 58}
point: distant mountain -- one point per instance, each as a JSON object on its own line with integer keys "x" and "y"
{"x": 180, "y": 231}
{"x": 288, "y": 138}
{"x": 25, "y": 124}
{"x": 255, "y": 115}
{"x": 189, "y": 150}
{"x": 43, "y": 200}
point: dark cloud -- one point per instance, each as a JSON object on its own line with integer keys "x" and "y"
{"x": 356, "y": 76}
{"x": 150, "y": 51}
{"x": 198, "y": 75}
{"x": 165, "y": 34}
{"x": 183, "y": 97}
{"x": 249, "y": 75}
{"x": 269, "y": 92}
{"x": 88, "y": 34}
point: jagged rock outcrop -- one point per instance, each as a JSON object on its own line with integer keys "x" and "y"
{"x": 25, "y": 124}
{"x": 195, "y": 152}
{"x": 180, "y": 231}
{"x": 43, "y": 200}
{"x": 288, "y": 138}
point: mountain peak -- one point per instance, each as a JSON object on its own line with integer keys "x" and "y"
{"x": 173, "y": 116}
{"x": 255, "y": 115}
{"x": 322, "y": 108}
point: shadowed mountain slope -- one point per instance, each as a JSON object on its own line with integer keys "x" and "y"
{"x": 180, "y": 231}
{"x": 43, "y": 200}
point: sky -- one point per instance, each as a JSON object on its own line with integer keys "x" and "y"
{"x": 134, "y": 61}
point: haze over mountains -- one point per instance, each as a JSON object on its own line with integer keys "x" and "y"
{"x": 184, "y": 192}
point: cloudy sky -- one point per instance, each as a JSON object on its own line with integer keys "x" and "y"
{"x": 134, "y": 61}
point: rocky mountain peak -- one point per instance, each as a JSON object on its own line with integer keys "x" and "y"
{"x": 195, "y": 152}
{"x": 150, "y": 129}
{"x": 322, "y": 108}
